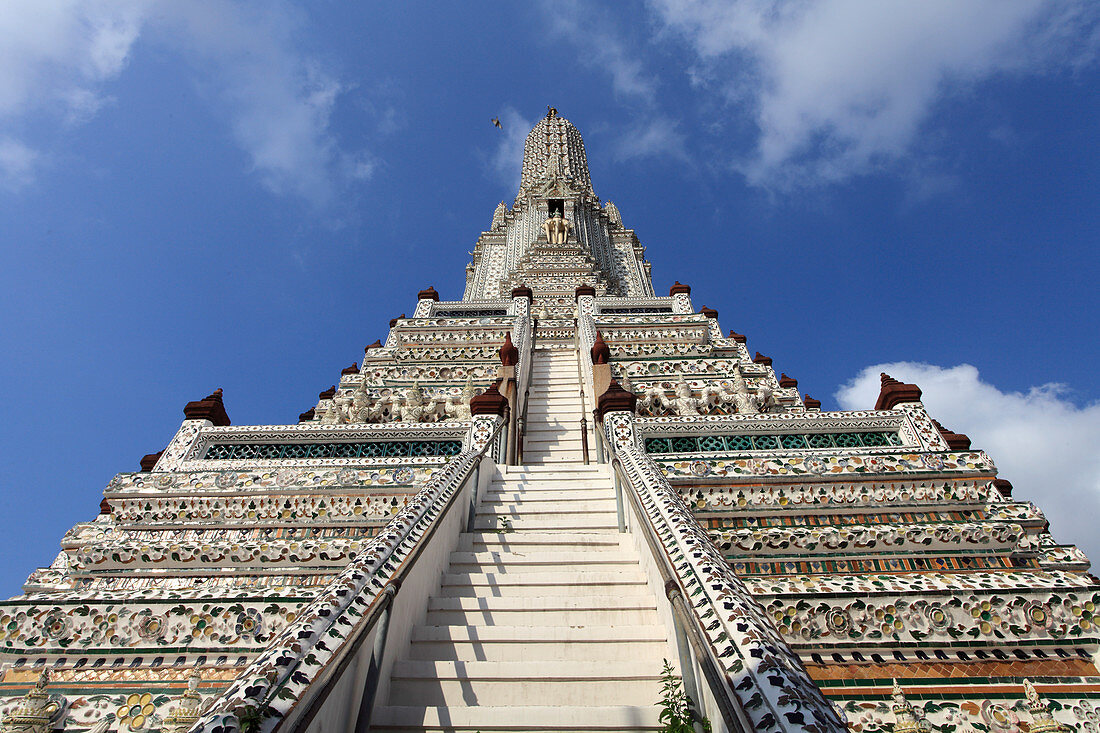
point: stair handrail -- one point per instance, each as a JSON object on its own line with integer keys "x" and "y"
{"x": 527, "y": 358}
{"x": 732, "y": 715}
{"x": 584, "y": 335}
{"x": 522, "y": 339}
{"x": 757, "y": 680}
{"x": 286, "y": 672}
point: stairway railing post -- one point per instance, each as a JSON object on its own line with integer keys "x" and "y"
{"x": 620, "y": 515}
{"x": 472, "y": 518}
{"x": 510, "y": 444}
{"x": 507, "y": 435}
{"x": 370, "y": 687}
{"x": 683, "y": 648}
{"x": 473, "y": 499}
{"x": 584, "y": 434}
{"x": 601, "y": 454}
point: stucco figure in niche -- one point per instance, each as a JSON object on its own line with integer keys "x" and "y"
{"x": 556, "y": 229}
{"x": 415, "y": 407}
{"x": 188, "y": 709}
{"x": 37, "y": 711}
{"x": 366, "y": 409}
{"x": 712, "y": 399}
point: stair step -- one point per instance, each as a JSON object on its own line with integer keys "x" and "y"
{"x": 526, "y": 719}
{"x": 560, "y": 424}
{"x": 595, "y": 469}
{"x": 548, "y": 453}
{"x": 577, "y": 578}
{"x": 571, "y": 524}
{"x": 532, "y": 484}
{"x": 547, "y": 634}
{"x": 515, "y": 683}
{"x": 542, "y": 443}
{"x": 546, "y": 510}
{"x": 528, "y": 497}
{"x": 552, "y": 434}
{"x": 538, "y": 644}
{"x": 538, "y": 611}
{"x": 535, "y": 541}
{"x": 527, "y": 561}
{"x": 583, "y": 583}
{"x": 495, "y": 512}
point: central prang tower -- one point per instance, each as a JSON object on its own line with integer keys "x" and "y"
{"x": 589, "y": 247}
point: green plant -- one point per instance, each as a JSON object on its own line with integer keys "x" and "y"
{"x": 678, "y": 713}
{"x": 505, "y": 525}
{"x": 251, "y": 717}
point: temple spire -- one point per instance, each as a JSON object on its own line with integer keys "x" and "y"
{"x": 554, "y": 160}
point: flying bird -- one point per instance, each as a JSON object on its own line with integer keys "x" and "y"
{"x": 496, "y": 122}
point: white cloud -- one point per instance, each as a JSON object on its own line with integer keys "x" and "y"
{"x": 59, "y": 58}
{"x": 601, "y": 45}
{"x": 839, "y": 87}
{"x": 652, "y": 136}
{"x": 55, "y": 52}
{"x": 1047, "y": 446}
{"x": 279, "y": 100}
{"x": 17, "y": 164}
{"x": 507, "y": 160}
{"x": 603, "y": 49}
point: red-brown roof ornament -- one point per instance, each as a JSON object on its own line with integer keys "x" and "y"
{"x": 328, "y": 394}
{"x": 678, "y": 288}
{"x": 894, "y": 393}
{"x": 509, "y": 354}
{"x": 1004, "y": 486}
{"x": 393, "y": 321}
{"x": 584, "y": 290}
{"x": 489, "y": 402}
{"x": 353, "y": 369}
{"x": 376, "y": 345}
{"x": 149, "y": 461}
{"x": 429, "y": 294}
{"x": 761, "y": 359}
{"x": 616, "y": 399}
{"x": 738, "y": 337}
{"x": 308, "y": 415}
{"x": 708, "y": 312}
{"x": 522, "y": 291}
{"x": 811, "y": 404}
{"x": 601, "y": 352}
{"x": 955, "y": 441}
{"x": 787, "y": 382}
{"x": 208, "y": 408}
{"x": 105, "y": 507}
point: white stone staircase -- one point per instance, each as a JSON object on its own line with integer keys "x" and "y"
{"x": 544, "y": 620}
{"x": 554, "y": 408}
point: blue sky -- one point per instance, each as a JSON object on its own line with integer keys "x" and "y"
{"x": 241, "y": 195}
